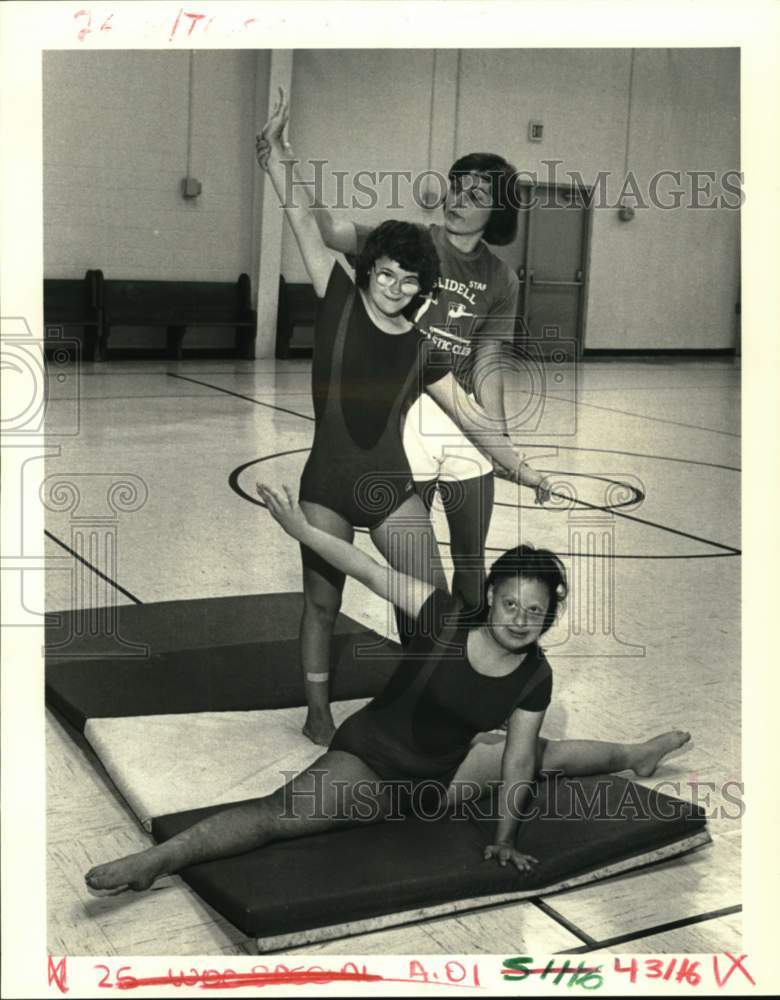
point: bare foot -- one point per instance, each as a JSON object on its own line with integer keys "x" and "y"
{"x": 648, "y": 755}
{"x": 136, "y": 871}
{"x": 319, "y": 728}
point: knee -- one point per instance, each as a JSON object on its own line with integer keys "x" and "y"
{"x": 548, "y": 758}
{"x": 321, "y": 612}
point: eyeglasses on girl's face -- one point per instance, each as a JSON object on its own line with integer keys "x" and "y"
{"x": 407, "y": 285}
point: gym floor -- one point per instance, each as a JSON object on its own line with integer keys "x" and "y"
{"x": 649, "y": 640}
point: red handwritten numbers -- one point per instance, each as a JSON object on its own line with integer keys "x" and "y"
{"x": 186, "y": 24}
{"x": 58, "y": 974}
{"x": 452, "y": 973}
{"x": 85, "y": 17}
{"x": 656, "y": 968}
{"x": 683, "y": 970}
{"x": 122, "y": 978}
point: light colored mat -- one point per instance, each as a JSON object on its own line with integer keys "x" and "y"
{"x": 171, "y": 763}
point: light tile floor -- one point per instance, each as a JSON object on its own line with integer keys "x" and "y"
{"x": 650, "y": 639}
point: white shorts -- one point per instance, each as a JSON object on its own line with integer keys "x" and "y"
{"x": 435, "y": 446}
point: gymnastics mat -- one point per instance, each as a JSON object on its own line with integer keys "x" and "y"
{"x": 171, "y": 763}
{"x": 216, "y": 673}
{"x": 230, "y": 654}
{"x": 161, "y": 627}
{"x": 376, "y": 876}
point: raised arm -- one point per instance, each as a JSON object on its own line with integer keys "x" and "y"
{"x": 338, "y": 234}
{"x": 485, "y": 435}
{"x": 405, "y": 592}
{"x": 316, "y": 256}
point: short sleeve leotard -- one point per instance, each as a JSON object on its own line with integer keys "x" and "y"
{"x": 363, "y": 381}
{"x": 422, "y": 724}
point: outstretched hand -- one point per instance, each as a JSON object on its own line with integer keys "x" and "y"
{"x": 523, "y": 475}
{"x": 542, "y": 491}
{"x": 505, "y": 854}
{"x": 284, "y": 509}
{"x": 273, "y": 138}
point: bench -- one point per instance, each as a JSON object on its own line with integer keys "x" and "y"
{"x": 297, "y": 307}
{"x": 71, "y": 304}
{"x": 177, "y": 305}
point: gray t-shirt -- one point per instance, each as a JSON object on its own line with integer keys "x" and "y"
{"x": 475, "y": 297}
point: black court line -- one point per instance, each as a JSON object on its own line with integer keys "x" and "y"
{"x": 726, "y": 549}
{"x": 588, "y": 942}
{"x": 94, "y": 569}
{"x": 662, "y": 388}
{"x": 672, "y": 925}
{"x": 117, "y": 372}
{"x": 654, "y": 524}
{"x": 638, "y": 454}
{"x": 631, "y": 517}
{"x": 90, "y": 399}
{"x": 642, "y": 416}
{"x": 605, "y": 451}
{"x": 238, "y": 395}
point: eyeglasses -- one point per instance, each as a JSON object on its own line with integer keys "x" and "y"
{"x": 386, "y": 279}
{"x": 471, "y": 186}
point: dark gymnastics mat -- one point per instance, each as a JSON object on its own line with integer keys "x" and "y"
{"x": 230, "y": 654}
{"x": 365, "y": 878}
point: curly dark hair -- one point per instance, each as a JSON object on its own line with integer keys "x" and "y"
{"x": 502, "y": 225}
{"x": 529, "y": 563}
{"x": 406, "y": 243}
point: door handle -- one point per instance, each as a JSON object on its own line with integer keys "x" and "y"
{"x": 549, "y": 283}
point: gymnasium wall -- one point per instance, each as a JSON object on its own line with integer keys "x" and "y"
{"x": 115, "y": 139}
{"x": 115, "y": 151}
{"x": 669, "y": 278}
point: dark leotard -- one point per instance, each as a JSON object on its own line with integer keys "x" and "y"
{"x": 422, "y": 725}
{"x": 363, "y": 381}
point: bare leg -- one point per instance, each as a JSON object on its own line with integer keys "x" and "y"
{"x": 319, "y": 798}
{"x": 574, "y": 758}
{"x": 407, "y": 542}
{"x": 578, "y": 758}
{"x": 322, "y": 589}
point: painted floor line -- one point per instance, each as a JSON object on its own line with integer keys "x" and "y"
{"x": 643, "y": 416}
{"x": 94, "y": 569}
{"x": 588, "y": 942}
{"x": 239, "y": 395}
{"x": 671, "y": 925}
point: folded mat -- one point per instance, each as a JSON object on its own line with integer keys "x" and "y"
{"x": 169, "y": 763}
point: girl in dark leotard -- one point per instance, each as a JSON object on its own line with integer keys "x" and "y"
{"x": 458, "y": 677}
{"x": 370, "y": 363}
